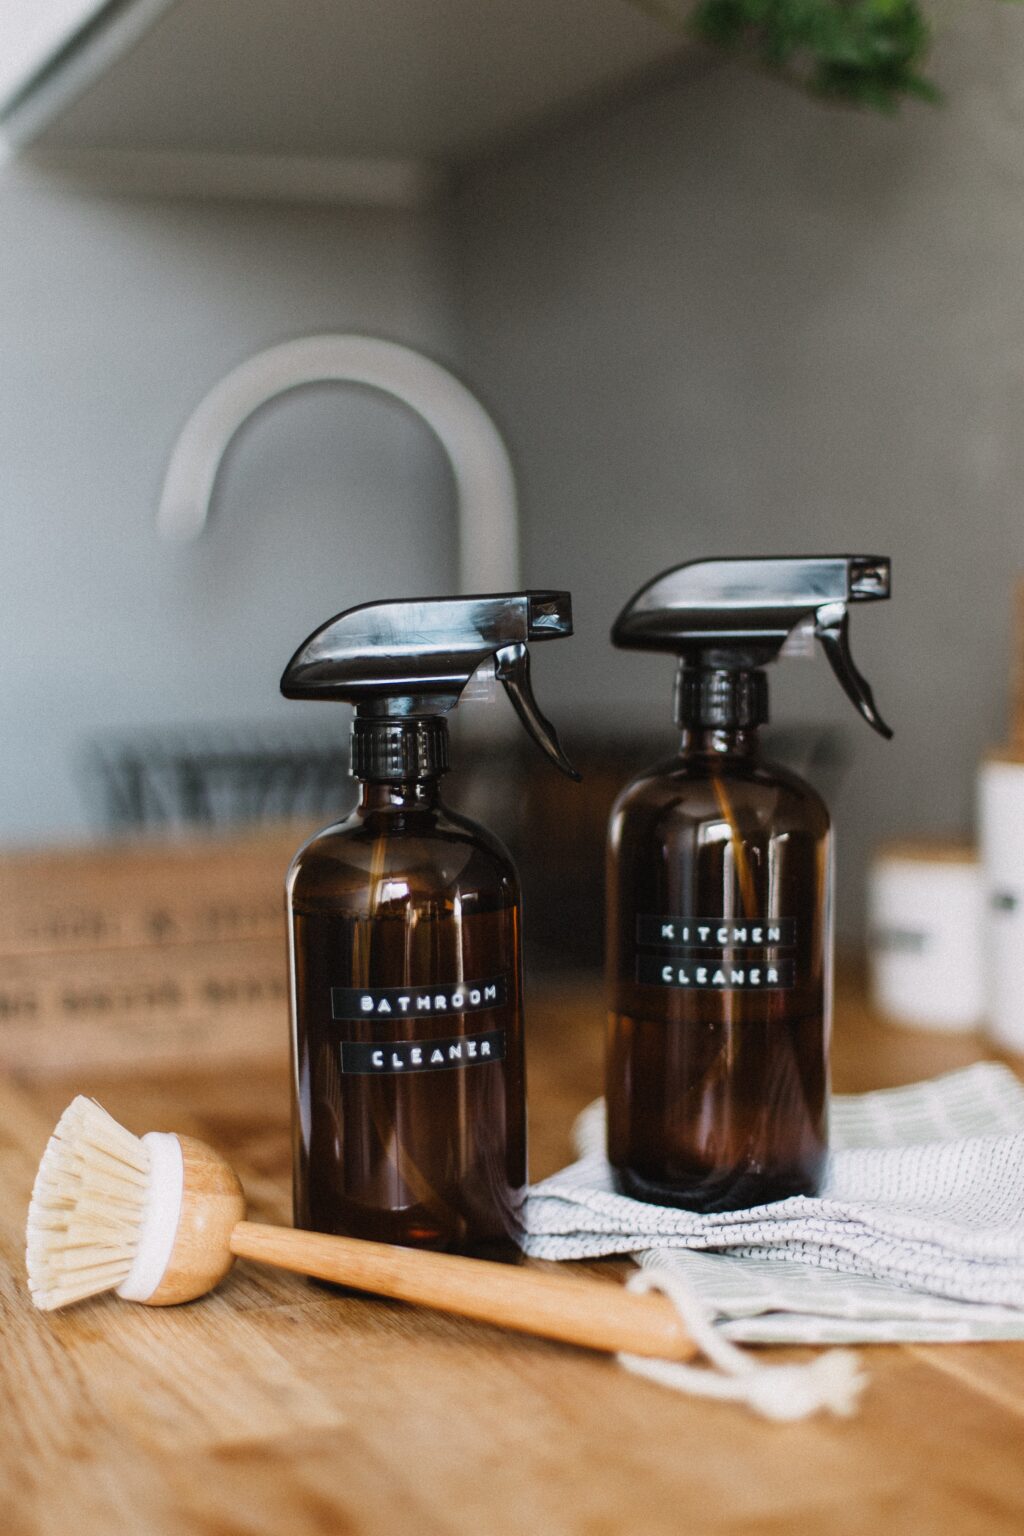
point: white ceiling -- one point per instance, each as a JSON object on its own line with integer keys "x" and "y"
{"x": 420, "y": 79}
{"x": 31, "y": 30}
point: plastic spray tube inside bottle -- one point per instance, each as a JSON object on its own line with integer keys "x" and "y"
{"x": 719, "y": 931}
{"x": 409, "y": 1098}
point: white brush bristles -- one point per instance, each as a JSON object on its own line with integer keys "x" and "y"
{"x": 87, "y": 1207}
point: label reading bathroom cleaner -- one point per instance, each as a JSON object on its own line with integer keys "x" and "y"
{"x": 716, "y": 954}
{"x": 417, "y": 1002}
{"x": 373, "y": 1058}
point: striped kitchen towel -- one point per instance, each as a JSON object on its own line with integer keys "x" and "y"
{"x": 918, "y": 1233}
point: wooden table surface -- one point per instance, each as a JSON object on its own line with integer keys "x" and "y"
{"x": 275, "y": 1408}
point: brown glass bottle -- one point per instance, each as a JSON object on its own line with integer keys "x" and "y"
{"x": 408, "y": 1076}
{"x": 719, "y": 958}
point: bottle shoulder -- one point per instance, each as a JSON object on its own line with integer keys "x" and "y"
{"x": 427, "y": 851}
{"x": 693, "y": 790}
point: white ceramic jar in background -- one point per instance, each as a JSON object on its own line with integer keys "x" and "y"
{"x": 925, "y": 916}
{"x": 1001, "y": 819}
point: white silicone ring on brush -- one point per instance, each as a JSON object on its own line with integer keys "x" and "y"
{"x": 159, "y": 1219}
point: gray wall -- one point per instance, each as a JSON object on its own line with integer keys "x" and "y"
{"x": 730, "y": 320}
{"x": 722, "y": 319}
{"x": 116, "y": 316}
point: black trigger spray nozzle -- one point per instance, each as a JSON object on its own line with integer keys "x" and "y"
{"x": 412, "y": 660}
{"x": 728, "y": 618}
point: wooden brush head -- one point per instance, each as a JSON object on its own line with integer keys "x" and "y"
{"x": 212, "y": 1204}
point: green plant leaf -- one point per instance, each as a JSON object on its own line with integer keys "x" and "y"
{"x": 869, "y": 53}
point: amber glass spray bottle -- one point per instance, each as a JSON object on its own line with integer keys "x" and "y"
{"x": 409, "y": 1098}
{"x": 720, "y": 894}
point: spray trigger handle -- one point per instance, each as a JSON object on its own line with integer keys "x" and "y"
{"x": 738, "y": 615}
{"x": 512, "y": 669}
{"x": 832, "y": 628}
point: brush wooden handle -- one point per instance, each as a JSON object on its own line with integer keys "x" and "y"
{"x": 597, "y": 1314}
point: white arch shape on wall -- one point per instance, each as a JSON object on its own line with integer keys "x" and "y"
{"x": 484, "y": 483}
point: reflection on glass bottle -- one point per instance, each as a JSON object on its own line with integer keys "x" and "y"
{"x": 410, "y": 1124}
{"x": 719, "y": 926}
{"x": 409, "y": 1112}
{"x": 719, "y": 993}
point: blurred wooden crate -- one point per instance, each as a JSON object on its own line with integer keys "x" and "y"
{"x": 145, "y": 956}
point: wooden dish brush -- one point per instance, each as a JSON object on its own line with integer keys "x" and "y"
{"x": 160, "y": 1220}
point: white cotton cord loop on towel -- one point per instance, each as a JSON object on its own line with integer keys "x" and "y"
{"x": 781, "y": 1392}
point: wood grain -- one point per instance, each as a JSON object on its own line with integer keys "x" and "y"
{"x": 148, "y": 953}
{"x": 278, "y": 1406}
{"x": 593, "y": 1313}
{"x": 214, "y": 1005}
{"x": 133, "y": 895}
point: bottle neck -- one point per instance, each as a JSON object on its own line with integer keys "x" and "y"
{"x": 718, "y": 741}
{"x": 399, "y": 753}
{"x": 719, "y": 701}
{"x": 389, "y": 795}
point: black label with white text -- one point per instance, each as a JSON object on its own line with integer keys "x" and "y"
{"x": 715, "y": 934}
{"x": 367, "y": 1058}
{"x": 716, "y": 954}
{"x": 417, "y": 1002}
{"x": 715, "y": 975}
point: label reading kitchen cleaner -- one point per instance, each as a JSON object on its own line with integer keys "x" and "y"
{"x": 366, "y": 1058}
{"x": 715, "y": 934}
{"x": 417, "y": 1002}
{"x": 716, "y": 954}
